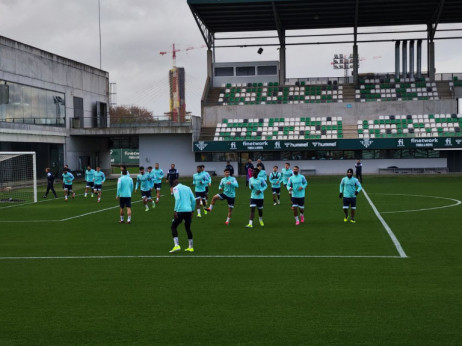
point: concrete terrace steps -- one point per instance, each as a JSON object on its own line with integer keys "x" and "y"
{"x": 350, "y": 131}
{"x": 443, "y": 90}
{"x": 349, "y": 92}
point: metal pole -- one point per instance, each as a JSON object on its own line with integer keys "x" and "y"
{"x": 34, "y": 172}
{"x": 404, "y": 49}
{"x": 411, "y": 59}
{"x": 419, "y": 58}
{"x": 99, "y": 22}
{"x": 397, "y": 59}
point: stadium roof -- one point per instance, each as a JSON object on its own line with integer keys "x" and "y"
{"x": 220, "y": 16}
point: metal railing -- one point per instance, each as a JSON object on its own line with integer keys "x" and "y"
{"x": 57, "y": 122}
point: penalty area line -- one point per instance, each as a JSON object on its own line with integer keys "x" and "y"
{"x": 395, "y": 240}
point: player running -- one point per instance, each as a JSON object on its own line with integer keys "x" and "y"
{"x": 144, "y": 182}
{"x": 200, "y": 182}
{"x": 261, "y": 172}
{"x": 209, "y": 183}
{"x": 228, "y": 186}
{"x": 297, "y": 184}
{"x": 99, "y": 180}
{"x": 183, "y": 210}
{"x": 349, "y": 189}
{"x": 172, "y": 175}
{"x": 124, "y": 195}
{"x": 89, "y": 180}
{"x": 68, "y": 177}
{"x": 257, "y": 186}
{"x": 158, "y": 175}
{"x": 286, "y": 174}
{"x": 275, "y": 179}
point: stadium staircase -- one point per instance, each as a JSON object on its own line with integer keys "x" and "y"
{"x": 350, "y": 131}
{"x": 207, "y": 134}
{"x": 349, "y": 92}
{"x": 444, "y": 90}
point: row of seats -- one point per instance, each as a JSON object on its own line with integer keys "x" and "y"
{"x": 424, "y": 125}
{"x": 397, "y": 92}
{"x": 379, "y": 79}
{"x": 279, "y": 128}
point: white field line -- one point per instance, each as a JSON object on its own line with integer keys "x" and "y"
{"x": 173, "y": 256}
{"x": 387, "y": 228}
{"x": 457, "y": 202}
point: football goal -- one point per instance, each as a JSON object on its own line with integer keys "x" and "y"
{"x": 18, "y": 177}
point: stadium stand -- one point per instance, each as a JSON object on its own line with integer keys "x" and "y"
{"x": 426, "y": 125}
{"x": 279, "y": 128}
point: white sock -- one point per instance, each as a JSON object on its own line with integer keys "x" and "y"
{"x": 250, "y": 222}
{"x": 175, "y": 240}
{"x": 199, "y": 211}
{"x": 228, "y": 219}
{"x": 260, "y": 218}
{"x": 190, "y": 241}
{"x": 121, "y": 218}
{"x": 86, "y": 194}
{"x": 296, "y": 218}
{"x": 129, "y": 218}
{"x": 211, "y": 206}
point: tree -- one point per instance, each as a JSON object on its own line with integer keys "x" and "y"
{"x": 130, "y": 115}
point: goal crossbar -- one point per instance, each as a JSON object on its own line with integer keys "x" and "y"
{"x": 7, "y": 155}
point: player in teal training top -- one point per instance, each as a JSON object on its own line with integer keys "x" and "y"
{"x": 143, "y": 181}
{"x": 228, "y": 186}
{"x": 209, "y": 183}
{"x": 67, "y": 183}
{"x": 286, "y": 174}
{"x": 262, "y": 173}
{"x": 257, "y": 186}
{"x": 275, "y": 179}
{"x": 89, "y": 180}
{"x": 158, "y": 175}
{"x": 183, "y": 210}
{"x": 296, "y": 185}
{"x": 200, "y": 181}
{"x": 124, "y": 195}
{"x": 349, "y": 188}
{"x": 99, "y": 180}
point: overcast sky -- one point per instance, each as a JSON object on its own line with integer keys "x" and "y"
{"x": 135, "y": 31}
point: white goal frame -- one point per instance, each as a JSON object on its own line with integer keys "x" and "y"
{"x": 34, "y": 167}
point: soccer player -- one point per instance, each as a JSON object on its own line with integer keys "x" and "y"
{"x": 275, "y": 179}
{"x": 50, "y": 182}
{"x": 200, "y": 182}
{"x": 359, "y": 171}
{"x": 261, "y": 172}
{"x": 68, "y": 177}
{"x": 89, "y": 180}
{"x": 257, "y": 186}
{"x": 230, "y": 167}
{"x": 297, "y": 184}
{"x": 172, "y": 175}
{"x": 99, "y": 180}
{"x": 209, "y": 183}
{"x": 248, "y": 171}
{"x": 183, "y": 210}
{"x": 144, "y": 182}
{"x": 158, "y": 175}
{"x": 122, "y": 167}
{"x": 228, "y": 186}
{"x": 349, "y": 189}
{"x": 286, "y": 174}
{"x": 124, "y": 195}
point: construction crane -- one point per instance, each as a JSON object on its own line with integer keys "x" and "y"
{"x": 174, "y": 51}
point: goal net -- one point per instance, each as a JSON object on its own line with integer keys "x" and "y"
{"x": 18, "y": 177}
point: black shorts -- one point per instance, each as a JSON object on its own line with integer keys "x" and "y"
{"x": 298, "y": 202}
{"x": 256, "y": 202}
{"x": 206, "y": 189}
{"x": 125, "y": 202}
{"x": 146, "y": 194}
{"x": 200, "y": 195}
{"x": 347, "y": 202}
{"x": 230, "y": 200}
{"x": 186, "y": 216}
{"x": 171, "y": 182}
{"x": 98, "y": 187}
{"x": 157, "y": 186}
{"x": 90, "y": 184}
{"x": 276, "y": 190}
{"x": 67, "y": 187}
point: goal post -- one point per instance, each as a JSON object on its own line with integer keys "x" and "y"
{"x": 18, "y": 177}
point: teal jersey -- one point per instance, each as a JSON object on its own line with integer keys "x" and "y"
{"x": 68, "y": 178}
{"x": 295, "y": 182}
{"x": 158, "y": 175}
{"x": 124, "y": 186}
{"x": 257, "y": 184}
{"x": 152, "y": 177}
{"x": 184, "y": 199}
{"x": 100, "y": 177}
{"x": 348, "y": 186}
{"x": 144, "y": 181}
{"x": 262, "y": 175}
{"x": 228, "y": 186}
{"x": 90, "y": 175}
{"x": 200, "y": 181}
{"x": 275, "y": 179}
{"x": 208, "y": 177}
{"x": 286, "y": 174}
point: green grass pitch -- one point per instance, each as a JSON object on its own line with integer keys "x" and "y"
{"x": 71, "y": 275}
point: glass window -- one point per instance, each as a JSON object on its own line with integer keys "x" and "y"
{"x": 408, "y": 153}
{"x": 224, "y": 71}
{"x": 245, "y": 71}
{"x": 368, "y": 154}
{"x": 231, "y": 156}
{"x": 435, "y": 153}
{"x": 267, "y": 70}
{"x": 350, "y": 155}
{"x": 421, "y": 153}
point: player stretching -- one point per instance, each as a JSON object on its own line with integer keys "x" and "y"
{"x": 286, "y": 174}
{"x": 158, "y": 175}
{"x": 349, "y": 188}
{"x": 297, "y": 184}
{"x": 183, "y": 210}
{"x": 257, "y": 186}
{"x": 275, "y": 180}
{"x": 144, "y": 182}
{"x": 124, "y": 195}
{"x": 89, "y": 180}
{"x": 67, "y": 183}
{"x": 200, "y": 182}
{"x": 99, "y": 180}
{"x": 228, "y": 186}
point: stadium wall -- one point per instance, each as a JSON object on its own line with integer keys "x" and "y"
{"x": 350, "y": 112}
